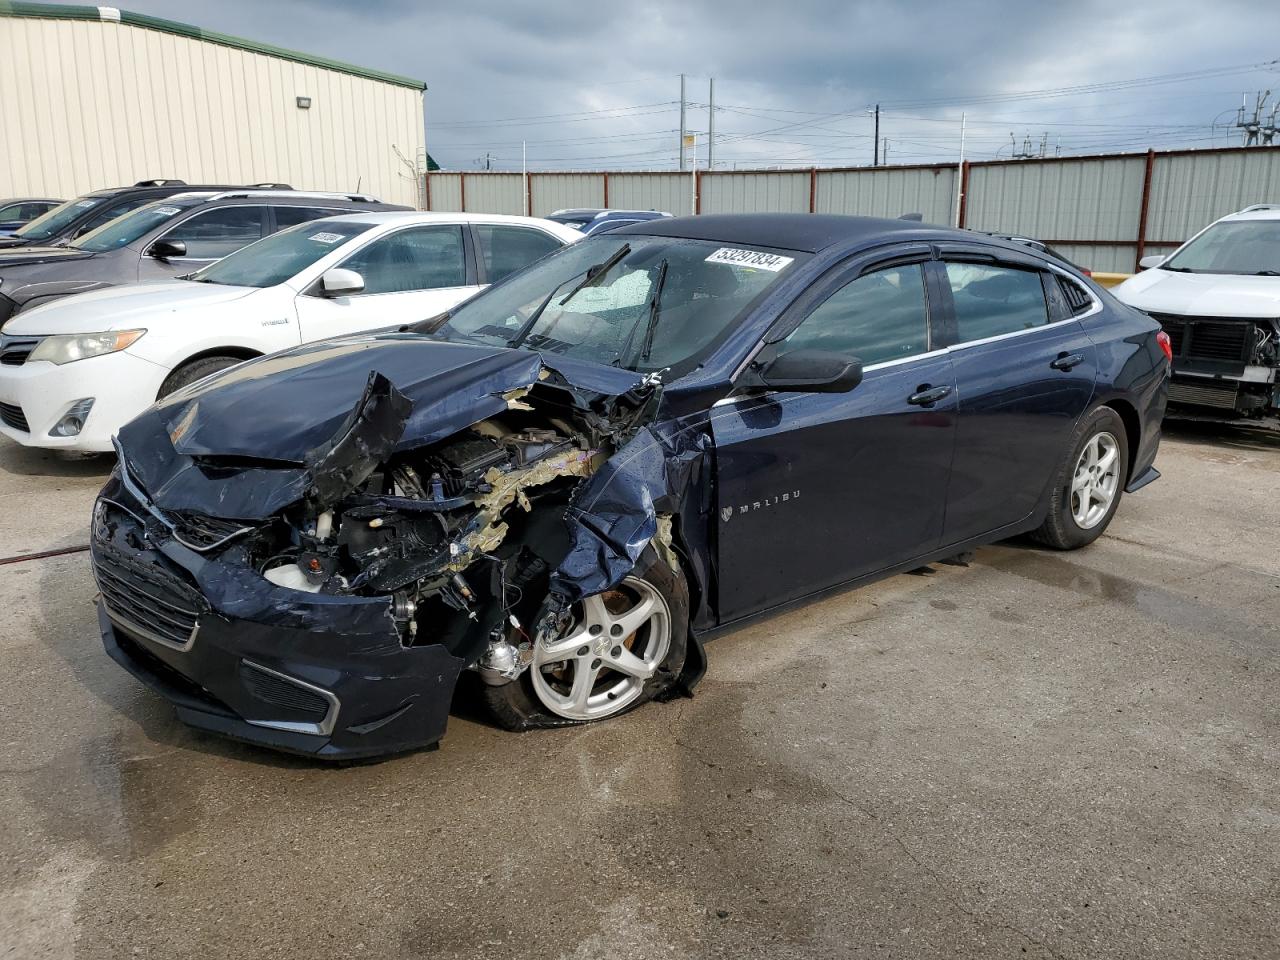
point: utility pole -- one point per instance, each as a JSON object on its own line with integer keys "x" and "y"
{"x": 1253, "y": 130}
{"x": 960, "y": 172}
{"x": 682, "y": 123}
{"x": 711, "y": 122}
{"x": 875, "y": 155}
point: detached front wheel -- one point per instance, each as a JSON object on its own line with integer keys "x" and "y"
{"x": 619, "y": 649}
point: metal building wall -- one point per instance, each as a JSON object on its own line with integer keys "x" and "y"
{"x": 888, "y": 192}
{"x": 757, "y": 192}
{"x": 549, "y": 192}
{"x": 1191, "y": 190}
{"x": 1089, "y": 207}
{"x": 100, "y": 103}
{"x": 672, "y": 192}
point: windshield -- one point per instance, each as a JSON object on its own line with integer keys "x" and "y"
{"x": 51, "y": 224}
{"x": 123, "y": 230}
{"x": 274, "y": 259}
{"x": 1246, "y": 247}
{"x": 644, "y": 303}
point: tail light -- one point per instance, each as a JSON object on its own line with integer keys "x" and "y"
{"x": 1166, "y": 345}
{"x": 1087, "y": 273}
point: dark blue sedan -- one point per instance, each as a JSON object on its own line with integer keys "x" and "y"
{"x": 569, "y": 482}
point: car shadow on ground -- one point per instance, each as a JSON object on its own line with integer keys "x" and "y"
{"x": 33, "y": 462}
{"x": 1238, "y": 434}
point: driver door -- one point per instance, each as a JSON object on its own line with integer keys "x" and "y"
{"x": 409, "y": 275}
{"x": 816, "y": 489}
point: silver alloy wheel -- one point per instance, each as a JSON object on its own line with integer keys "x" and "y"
{"x": 617, "y": 641}
{"x": 1096, "y": 480}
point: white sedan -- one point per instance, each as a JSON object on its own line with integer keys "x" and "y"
{"x": 73, "y": 372}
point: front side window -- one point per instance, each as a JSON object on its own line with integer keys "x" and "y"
{"x": 643, "y": 303}
{"x": 1244, "y": 247}
{"x": 215, "y": 233}
{"x": 123, "y": 230}
{"x": 878, "y": 317}
{"x": 508, "y": 249}
{"x": 994, "y": 300}
{"x": 420, "y": 258}
{"x": 277, "y": 258}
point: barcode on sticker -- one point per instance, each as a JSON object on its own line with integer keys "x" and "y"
{"x": 750, "y": 258}
{"x": 325, "y": 237}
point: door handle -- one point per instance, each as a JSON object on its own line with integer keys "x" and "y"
{"x": 927, "y": 396}
{"x": 1066, "y": 361}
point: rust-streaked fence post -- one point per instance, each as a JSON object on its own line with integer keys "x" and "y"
{"x": 1140, "y": 247}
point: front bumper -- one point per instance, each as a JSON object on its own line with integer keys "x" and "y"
{"x": 37, "y": 395}
{"x": 311, "y": 674}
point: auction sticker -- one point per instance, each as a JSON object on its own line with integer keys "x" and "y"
{"x": 750, "y": 258}
{"x": 168, "y": 211}
{"x": 87, "y": 203}
{"x": 325, "y": 237}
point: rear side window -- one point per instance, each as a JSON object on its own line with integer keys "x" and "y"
{"x": 420, "y": 258}
{"x": 879, "y": 316}
{"x": 215, "y": 233}
{"x": 992, "y": 300}
{"x": 508, "y": 249}
{"x": 292, "y": 216}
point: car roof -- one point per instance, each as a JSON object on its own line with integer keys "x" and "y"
{"x": 602, "y": 213}
{"x": 1258, "y": 211}
{"x": 808, "y": 232}
{"x": 416, "y": 216}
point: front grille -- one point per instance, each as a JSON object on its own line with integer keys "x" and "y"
{"x": 11, "y": 416}
{"x": 1220, "y": 395}
{"x": 294, "y": 702}
{"x": 14, "y": 351}
{"x": 156, "y": 603}
{"x": 200, "y": 532}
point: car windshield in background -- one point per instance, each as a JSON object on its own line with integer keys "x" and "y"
{"x": 1245, "y": 247}
{"x": 276, "y": 258}
{"x": 122, "y": 231}
{"x": 52, "y": 223}
{"x": 644, "y": 303}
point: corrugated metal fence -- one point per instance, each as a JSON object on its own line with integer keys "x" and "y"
{"x": 1104, "y": 212}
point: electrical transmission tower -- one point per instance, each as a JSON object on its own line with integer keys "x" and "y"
{"x": 1259, "y": 129}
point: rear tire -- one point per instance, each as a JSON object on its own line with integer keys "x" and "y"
{"x": 1089, "y": 484}
{"x": 194, "y": 370}
{"x": 546, "y": 694}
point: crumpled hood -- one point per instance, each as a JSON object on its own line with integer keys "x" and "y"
{"x": 124, "y": 307}
{"x": 21, "y": 255}
{"x": 1201, "y": 294}
{"x": 251, "y": 428}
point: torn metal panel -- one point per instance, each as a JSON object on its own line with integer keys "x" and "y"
{"x": 367, "y": 438}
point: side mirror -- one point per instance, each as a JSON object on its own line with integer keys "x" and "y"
{"x": 807, "y": 371}
{"x": 1148, "y": 263}
{"x": 167, "y": 249}
{"x": 341, "y": 283}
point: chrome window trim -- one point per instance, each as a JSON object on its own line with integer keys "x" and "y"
{"x": 322, "y": 729}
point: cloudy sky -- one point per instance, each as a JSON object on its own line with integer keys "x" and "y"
{"x": 595, "y": 85}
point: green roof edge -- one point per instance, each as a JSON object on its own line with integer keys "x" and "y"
{"x": 58, "y": 11}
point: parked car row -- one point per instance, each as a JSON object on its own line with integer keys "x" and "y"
{"x": 17, "y": 212}
{"x": 566, "y": 482}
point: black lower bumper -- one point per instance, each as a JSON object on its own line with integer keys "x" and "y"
{"x": 323, "y": 676}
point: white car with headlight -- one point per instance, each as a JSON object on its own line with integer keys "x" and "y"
{"x": 73, "y": 372}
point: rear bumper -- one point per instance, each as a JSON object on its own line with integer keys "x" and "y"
{"x": 322, "y": 676}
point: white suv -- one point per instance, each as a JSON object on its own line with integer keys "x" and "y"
{"x": 73, "y": 372}
{"x": 1218, "y": 298}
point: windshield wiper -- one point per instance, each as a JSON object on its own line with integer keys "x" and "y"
{"x": 1177, "y": 269}
{"x": 527, "y": 326}
{"x": 1266, "y": 273}
{"x": 597, "y": 272}
{"x": 651, "y": 323}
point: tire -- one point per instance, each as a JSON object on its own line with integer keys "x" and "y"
{"x": 543, "y": 696}
{"x": 194, "y": 370}
{"x": 1087, "y": 472}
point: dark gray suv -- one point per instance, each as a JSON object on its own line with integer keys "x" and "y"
{"x": 163, "y": 239}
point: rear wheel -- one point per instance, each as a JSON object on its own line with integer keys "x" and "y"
{"x": 194, "y": 370}
{"x": 620, "y": 649}
{"x": 1089, "y": 484}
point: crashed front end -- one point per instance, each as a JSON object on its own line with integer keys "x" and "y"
{"x": 326, "y": 602}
